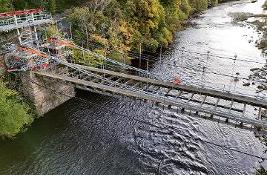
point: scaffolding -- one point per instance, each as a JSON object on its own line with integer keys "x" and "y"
{"x": 25, "y": 22}
{"x": 26, "y": 55}
{"x": 24, "y": 59}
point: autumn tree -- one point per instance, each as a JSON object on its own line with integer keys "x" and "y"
{"x": 122, "y": 25}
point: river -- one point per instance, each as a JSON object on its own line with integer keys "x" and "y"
{"x": 96, "y": 134}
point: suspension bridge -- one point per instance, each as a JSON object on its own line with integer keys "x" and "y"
{"x": 47, "y": 59}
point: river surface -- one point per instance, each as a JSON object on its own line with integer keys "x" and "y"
{"x": 95, "y": 134}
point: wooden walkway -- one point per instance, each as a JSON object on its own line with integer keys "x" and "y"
{"x": 237, "y": 110}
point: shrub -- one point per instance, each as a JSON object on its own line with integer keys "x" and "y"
{"x": 14, "y": 114}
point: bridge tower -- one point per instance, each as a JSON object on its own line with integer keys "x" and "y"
{"x": 24, "y": 57}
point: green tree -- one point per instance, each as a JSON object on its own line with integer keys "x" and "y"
{"x": 122, "y": 25}
{"x": 52, "y": 32}
{"x": 198, "y": 5}
{"x": 14, "y": 114}
{"x": 52, "y": 6}
{"x": 5, "y": 5}
{"x": 212, "y": 2}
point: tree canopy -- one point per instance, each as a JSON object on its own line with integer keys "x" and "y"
{"x": 122, "y": 25}
{"x": 14, "y": 114}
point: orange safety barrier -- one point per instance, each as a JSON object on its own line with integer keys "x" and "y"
{"x": 176, "y": 81}
{"x": 61, "y": 42}
{"x": 21, "y": 12}
{"x": 32, "y": 51}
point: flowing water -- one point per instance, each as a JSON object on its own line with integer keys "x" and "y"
{"x": 96, "y": 134}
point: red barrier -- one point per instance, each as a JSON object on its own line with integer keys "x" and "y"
{"x": 176, "y": 81}
{"x": 21, "y": 12}
{"x": 61, "y": 42}
{"x": 32, "y": 51}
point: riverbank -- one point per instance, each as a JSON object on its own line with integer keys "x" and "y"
{"x": 259, "y": 22}
{"x": 15, "y": 114}
{"x": 260, "y": 73}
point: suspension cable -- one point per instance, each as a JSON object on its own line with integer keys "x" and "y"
{"x": 210, "y": 72}
{"x": 116, "y": 62}
{"x": 193, "y": 52}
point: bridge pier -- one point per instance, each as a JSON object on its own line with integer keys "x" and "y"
{"x": 45, "y": 94}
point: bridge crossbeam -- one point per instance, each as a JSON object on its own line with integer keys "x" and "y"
{"x": 210, "y": 104}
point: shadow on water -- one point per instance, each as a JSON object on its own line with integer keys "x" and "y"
{"x": 67, "y": 140}
{"x": 81, "y": 138}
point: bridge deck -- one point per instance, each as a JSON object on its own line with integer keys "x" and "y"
{"x": 214, "y": 105}
{"x": 24, "y": 24}
{"x": 11, "y": 23}
{"x": 260, "y": 102}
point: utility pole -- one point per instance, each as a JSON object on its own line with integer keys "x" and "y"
{"x": 204, "y": 70}
{"x": 124, "y": 55}
{"x": 208, "y": 57}
{"x": 233, "y": 72}
{"x": 147, "y": 72}
{"x": 147, "y": 65}
{"x": 160, "y": 54}
{"x": 140, "y": 55}
{"x": 103, "y": 62}
{"x": 70, "y": 31}
{"x": 83, "y": 53}
{"x": 19, "y": 36}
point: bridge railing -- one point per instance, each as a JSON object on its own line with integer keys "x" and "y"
{"x": 113, "y": 64}
{"x": 13, "y": 22}
{"x": 238, "y": 90}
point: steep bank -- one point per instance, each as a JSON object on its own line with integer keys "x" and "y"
{"x": 118, "y": 26}
{"x": 14, "y": 113}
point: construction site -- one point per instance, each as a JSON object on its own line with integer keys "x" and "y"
{"x": 30, "y": 52}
